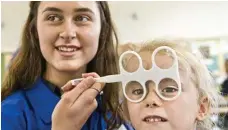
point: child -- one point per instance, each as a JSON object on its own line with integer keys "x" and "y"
{"x": 190, "y": 110}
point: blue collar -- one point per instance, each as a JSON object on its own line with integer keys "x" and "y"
{"x": 42, "y": 100}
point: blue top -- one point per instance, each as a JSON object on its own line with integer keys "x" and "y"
{"x": 31, "y": 109}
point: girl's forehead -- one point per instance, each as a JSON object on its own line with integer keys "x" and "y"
{"x": 163, "y": 61}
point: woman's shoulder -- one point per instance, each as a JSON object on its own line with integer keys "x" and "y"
{"x": 15, "y": 113}
{"x": 18, "y": 100}
{"x": 15, "y": 102}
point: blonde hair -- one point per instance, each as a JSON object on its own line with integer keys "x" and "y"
{"x": 197, "y": 71}
{"x": 128, "y": 47}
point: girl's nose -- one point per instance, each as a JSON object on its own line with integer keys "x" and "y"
{"x": 152, "y": 99}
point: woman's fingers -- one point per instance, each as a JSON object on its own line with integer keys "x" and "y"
{"x": 82, "y": 92}
{"x": 70, "y": 85}
{"x": 74, "y": 83}
{"x": 77, "y": 103}
{"x": 93, "y": 74}
{"x": 72, "y": 96}
{"x": 88, "y": 97}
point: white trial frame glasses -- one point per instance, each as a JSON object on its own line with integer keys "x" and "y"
{"x": 156, "y": 74}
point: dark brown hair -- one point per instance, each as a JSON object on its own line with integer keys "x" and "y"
{"x": 29, "y": 64}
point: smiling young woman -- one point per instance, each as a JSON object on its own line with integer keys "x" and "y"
{"x": 62, "y": 41}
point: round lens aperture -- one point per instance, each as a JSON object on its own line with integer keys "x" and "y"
{"x": 130, "y": 62}
{"x": 134, "y": 90}
{"x": 168, "y": 89}
{"x": 164, "y": 59}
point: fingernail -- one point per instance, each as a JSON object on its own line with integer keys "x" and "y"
{"x": 74, "y": 82}
{"x": 63, "y": 88}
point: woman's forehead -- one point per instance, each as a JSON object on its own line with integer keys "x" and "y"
{"x": 68, "y": 5}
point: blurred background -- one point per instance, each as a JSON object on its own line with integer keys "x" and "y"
{"x": 203, "y": 24}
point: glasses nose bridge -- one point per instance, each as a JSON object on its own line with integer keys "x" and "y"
{"x": 150, "y": 88}
{"x": 152, "y": 96}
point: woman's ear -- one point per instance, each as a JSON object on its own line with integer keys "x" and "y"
{"x": 204, "y": 107}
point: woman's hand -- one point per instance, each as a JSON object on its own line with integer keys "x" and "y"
{"x": 76, "y": 104}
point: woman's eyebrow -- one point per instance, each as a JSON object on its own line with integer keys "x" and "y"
{"x": 83, "y": 9}
{"x": 52, "y": 9}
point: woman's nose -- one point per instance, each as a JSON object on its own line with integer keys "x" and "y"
{"x": 69, "y": 31}
{"x": 67, "y": 35}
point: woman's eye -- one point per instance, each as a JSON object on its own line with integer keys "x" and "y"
{"x": 82, "y": 18}
{"x": 53, "y": 18}
{"x": 137, "y": 91}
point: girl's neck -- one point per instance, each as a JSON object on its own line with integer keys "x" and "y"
{"x": 61, "y": 78}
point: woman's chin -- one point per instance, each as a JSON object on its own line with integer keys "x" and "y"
{"x": 69, "y": 68}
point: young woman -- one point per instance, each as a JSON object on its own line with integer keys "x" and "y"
{"x": 62, "y": 41}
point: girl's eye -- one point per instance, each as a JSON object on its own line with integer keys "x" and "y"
{"x": 53, "y": 18}
{"x": 82, "y": 18}
{"x": 137, "y": 91}
{"x": 169, "y": 90}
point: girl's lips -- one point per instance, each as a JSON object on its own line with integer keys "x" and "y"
{"x": 154, "y": 118}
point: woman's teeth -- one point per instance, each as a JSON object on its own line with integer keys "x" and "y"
{"x": 66, "y": 49}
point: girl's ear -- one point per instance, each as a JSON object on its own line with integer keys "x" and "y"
{"x": 204, "y": 106}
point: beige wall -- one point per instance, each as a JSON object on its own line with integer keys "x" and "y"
{"x": 13, "y": 16}
{"x": 155, "y": 19}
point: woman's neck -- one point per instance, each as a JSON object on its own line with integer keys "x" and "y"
{"x": 60, "y": 78}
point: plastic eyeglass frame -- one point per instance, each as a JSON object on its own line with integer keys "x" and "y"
{"x": 141, "y": 75}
